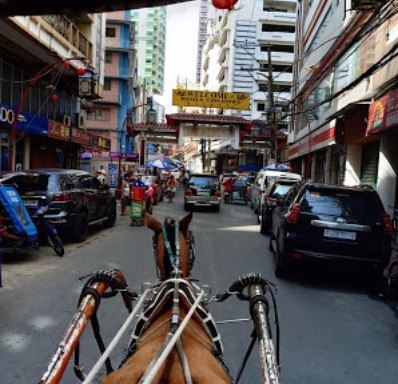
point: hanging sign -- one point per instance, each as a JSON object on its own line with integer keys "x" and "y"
{"x": 100, "y": 142}
{"x": 80, "y": 136}
{"x": 383, "y": 113}
{"x": 59, "y": 131}
{"x": 206, "y": 99}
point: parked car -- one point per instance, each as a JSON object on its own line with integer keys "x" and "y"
{"x": 263, "y": 180}
{"x": 319, "y": 221}
{"x": 75, "y": 199}
{"x": 273, "y": 196}
{"x": 202, "y": 190}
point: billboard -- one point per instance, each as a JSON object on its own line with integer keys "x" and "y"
{"x": 206, "y": 99}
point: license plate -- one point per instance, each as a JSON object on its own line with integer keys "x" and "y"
{"x": 30, "y": 203}
{"x": 343, "y": 235}
{"x": 203, "y": 193}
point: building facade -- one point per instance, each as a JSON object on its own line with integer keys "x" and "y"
{"x": 150, "y": 31}
{"x": 42, "y": 62}
{"x": 344, "y": 123}
{"x": 108, "y": 115}
{"x": 252, "y": 51}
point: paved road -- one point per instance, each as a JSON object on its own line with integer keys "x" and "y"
{"x": 333, "y": 330}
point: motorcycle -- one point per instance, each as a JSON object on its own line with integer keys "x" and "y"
{"x": 47, "y": 229}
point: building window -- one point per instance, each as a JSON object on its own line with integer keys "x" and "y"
{"x": 107, "y": 85}
{"x": 260, "y": 106}
{"x": 278, "y": 28}
{"x": 99, "y": 115}
{"x": 278, "y": 48}
{"x": 108, "y": 57}
{"x": 110, "y": 32}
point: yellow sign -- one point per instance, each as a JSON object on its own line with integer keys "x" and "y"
{"x": 207, "y": 99}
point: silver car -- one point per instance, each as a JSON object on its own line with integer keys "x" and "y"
{"x": 203, "y": 190}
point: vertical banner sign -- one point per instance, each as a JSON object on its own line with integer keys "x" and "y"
{"x": 113, "y": 172}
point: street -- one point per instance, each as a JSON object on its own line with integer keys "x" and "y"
{"x": 333, "y": 330}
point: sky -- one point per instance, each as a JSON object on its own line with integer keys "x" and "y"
{"x": 181, "y": 46}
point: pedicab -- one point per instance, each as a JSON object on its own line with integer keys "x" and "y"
{"x": 174, "y": 334}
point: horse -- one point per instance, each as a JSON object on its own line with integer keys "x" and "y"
{"x": 197, "y": 355}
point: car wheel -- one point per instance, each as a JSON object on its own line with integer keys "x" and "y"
{"x": 186, "y": 207}
{"x": 281, "y": 263}
{"x": 217, "y": 208}
{"x": 81, "y": 227}
{"x": 111, "y": 220}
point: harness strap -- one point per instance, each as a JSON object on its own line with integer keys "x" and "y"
{"x": 184, "y": 362}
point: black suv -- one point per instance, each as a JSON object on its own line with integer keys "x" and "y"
{"x": 319, "y": 221}
{"x": 273, "y": 196}
{"x": 75, "y": 198}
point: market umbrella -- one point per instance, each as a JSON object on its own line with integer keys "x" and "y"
{"x": 162, "y": 164}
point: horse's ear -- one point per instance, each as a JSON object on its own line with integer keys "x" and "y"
{"x": 184, "y": 223}
{"x": 152, "y": 223}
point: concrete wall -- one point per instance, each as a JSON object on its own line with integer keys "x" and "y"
{"x": 352, "y": 175}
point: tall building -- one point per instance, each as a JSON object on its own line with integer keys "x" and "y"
{"x": 243, "y": 48}
{"x": 236, "y": 53}
{"x": 150, "y": 31}
{"x": 107, "y": 116}
{"x": 42, "y": 60}
{"x": 202, "y": 36}
{"x": 345, "y": 95}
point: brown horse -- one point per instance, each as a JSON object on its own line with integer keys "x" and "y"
{"x": 199, "y": 349}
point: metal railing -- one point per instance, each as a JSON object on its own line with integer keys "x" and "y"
{"x": 70, "y": 32}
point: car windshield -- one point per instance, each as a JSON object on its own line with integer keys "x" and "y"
{"x": 350, "y": 204}
{"x": 280, "y": 190}
{"x": 34, "y": 182}
{"x": 203, "y": 181}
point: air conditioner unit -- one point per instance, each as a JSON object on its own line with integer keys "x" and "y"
{"x": 81, "y": 121}
{"x": 66, "y": 120}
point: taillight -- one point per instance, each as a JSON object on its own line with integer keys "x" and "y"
{"x": 62, "y": 197}
{"x": 271, "y": 201}
{"x": 217, "y": 193}
{"x": 188, "y": 192}
{"x": 293, "y": 215}
{"x": 388, "y": 226}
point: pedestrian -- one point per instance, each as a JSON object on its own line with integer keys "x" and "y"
{"x": 101, "y": 174}
{"x": 228, "y": 189}
{"x": 125, "y": 195}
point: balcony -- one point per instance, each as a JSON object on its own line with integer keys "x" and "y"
{"x": 280, "y": 37}
{"x": 288, "y": 18}
{"x": 116, "y": 44}
{"x": 111, "y": 98}
{"x": 280, "y": 77}
{"x": 276, "y": 57}
{"x": 70, "y": 32}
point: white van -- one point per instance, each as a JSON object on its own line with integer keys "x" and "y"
{"x": 263, "y": 180}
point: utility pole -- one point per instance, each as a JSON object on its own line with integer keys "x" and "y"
{"x": 202, "y": 150}
{"x": 270, "y": 112}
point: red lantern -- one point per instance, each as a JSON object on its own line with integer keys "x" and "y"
{"x": 54, "y": 98}
{"x": 80, "y": 71}
{"x": 224, "y": 4}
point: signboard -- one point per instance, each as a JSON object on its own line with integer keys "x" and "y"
{"x": 101, "y": 142}
{"x": 383, "y": 113}
{"x": 206, "y": 99}
{"x": 113, "y": 173}
{"x": 26, "y": 122}
{"x": 59, "y": 131}
{"x": 124, "y": 156}
{"x": 80, "y": 136}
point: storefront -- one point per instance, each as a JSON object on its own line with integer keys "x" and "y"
{"x": 27, "y": 126}
{"x": 383, "y": 122}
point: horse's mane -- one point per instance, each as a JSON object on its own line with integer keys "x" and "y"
{"x": 169, "y": 224}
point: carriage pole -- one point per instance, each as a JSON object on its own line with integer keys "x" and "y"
{"x": 61, "y": 358}
{"x": 268, "y": 363}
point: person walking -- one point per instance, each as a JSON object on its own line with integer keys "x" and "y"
{"x": 125, "y": 195}
{"x": 171, "y": 187}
